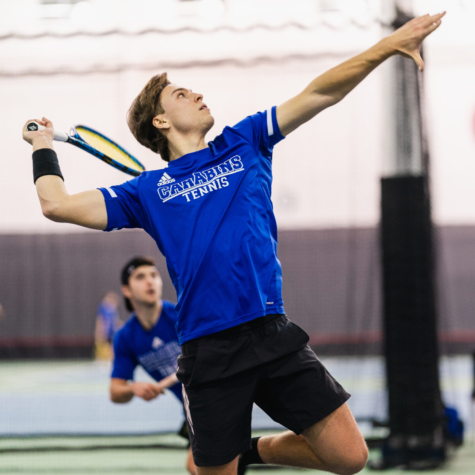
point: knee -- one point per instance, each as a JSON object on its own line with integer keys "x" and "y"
{"x": 190, "y": 465}
{"x": 354, "y": 462}
{"x": 191, "y": 468}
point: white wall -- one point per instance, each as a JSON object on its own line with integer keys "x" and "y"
{"x": 326, "y": 174}
{"x": 450, "y": 81}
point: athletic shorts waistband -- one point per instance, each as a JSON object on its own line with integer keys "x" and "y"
{"x": 189, "y": 346}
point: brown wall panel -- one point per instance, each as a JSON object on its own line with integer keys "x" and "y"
{"x": 51, "y": 285}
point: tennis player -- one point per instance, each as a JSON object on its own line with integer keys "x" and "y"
{"x": 107, "y": 323}
{"x": 147, "y": 339}
{"x": 210, "y": 213}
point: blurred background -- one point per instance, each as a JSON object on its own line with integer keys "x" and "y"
{"x": 83, "y": 62}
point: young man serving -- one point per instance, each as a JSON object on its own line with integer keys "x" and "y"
{"x": 210, "y": 213}
{"x": 148, "y": 339}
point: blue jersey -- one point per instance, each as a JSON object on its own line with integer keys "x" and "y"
{"x": 109, "y": 317}
{"x": 211, "y": 215}
{"x": 156, "y": 350}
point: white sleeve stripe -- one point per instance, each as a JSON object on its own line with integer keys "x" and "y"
{"x": 111, "y": 192}
{"x": 270, "y": 126}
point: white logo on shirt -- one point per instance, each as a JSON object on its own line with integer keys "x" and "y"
{"x": 166, "y": 178}
{"x": 156, "y": 342}
{"x": 200, "y": 183}
{"x": 163, "y": 359}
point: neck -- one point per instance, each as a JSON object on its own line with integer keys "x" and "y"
{"x": 180, "y": 145}
{"x": 148, "y": 315}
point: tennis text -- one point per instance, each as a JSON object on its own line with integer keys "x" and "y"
{"x": 201, "y": 183}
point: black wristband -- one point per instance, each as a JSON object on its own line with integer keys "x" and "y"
{"x": 45, "y": 162}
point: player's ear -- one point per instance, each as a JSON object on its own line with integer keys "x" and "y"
{"x": 160, "y": 123}
{"x": 126, "y": 292}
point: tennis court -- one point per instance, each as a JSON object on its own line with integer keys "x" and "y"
{"x": 57, "y": 418}
{"x": 162, "y": 461}
{"x": 373, "y": 200}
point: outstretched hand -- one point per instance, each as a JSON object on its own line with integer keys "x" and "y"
{"x": 407, "y": 40}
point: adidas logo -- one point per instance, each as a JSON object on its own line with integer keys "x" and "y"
{"x": 166, "y": 178}
{"x": 157, "y": 342}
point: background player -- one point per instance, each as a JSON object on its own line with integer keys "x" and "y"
{"x": 147, "y": 339}
{"x": 107, "y": 323}
{"x": 212, "y": 217}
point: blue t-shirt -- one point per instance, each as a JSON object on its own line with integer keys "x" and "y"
{"x": 211, "y": 215}
{"x": 109, "y": 317}
{"x": 156, "y": 350}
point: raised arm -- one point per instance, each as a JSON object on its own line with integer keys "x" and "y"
{"x": 86, "y": 209}
{"x": 332, "y": 86}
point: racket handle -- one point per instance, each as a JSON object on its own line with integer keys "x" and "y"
{"x": 59, "y": 136}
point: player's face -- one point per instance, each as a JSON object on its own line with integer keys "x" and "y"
{"x": 185, "y": 110}
{"x": 145, "y": 286}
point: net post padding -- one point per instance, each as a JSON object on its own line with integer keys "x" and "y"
{"x": 416, "y": 412}
{"x": 410, "y": 324}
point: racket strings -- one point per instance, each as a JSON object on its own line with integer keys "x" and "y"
{"x": 107, "y": 148}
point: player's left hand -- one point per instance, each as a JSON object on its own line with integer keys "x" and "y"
{"x": 146, "y": 391}
{"x": 161, "y": 387}
{"x": 407, "y": 40}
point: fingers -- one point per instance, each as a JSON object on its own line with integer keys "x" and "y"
{"x": 44, "y": 122}
{"x": 420, "y": 63}
{"x": 47, "y": 123}
{"x": 419, "y": 20}
{"x": 431, "y": 23}
{"x": 158, "y": 390}
{"x": 428, "y": 19}
{"x": 153, "y": 391}
{"x": 435, "y": 18}
{"x": 427, "y": 25}
{"x": 149, "y": 394}
{"x": 148, "y": 391}
{"x": 434, "y": 26}
{"x": 430, "y": 28}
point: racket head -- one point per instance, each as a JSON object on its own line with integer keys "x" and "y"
{"x": 106, "y": 149}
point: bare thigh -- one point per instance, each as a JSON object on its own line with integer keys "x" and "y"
{"x": 228, "y": 469}
{"x": 338, "y": 442}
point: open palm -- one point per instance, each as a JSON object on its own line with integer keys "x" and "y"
{"x": 407, "y": 39}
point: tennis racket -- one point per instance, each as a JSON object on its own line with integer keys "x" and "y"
{"x": 98, "y": 145}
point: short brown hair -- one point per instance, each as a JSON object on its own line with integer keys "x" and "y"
{"x": 128, "y": 269}
{"x": 141, "y": 113}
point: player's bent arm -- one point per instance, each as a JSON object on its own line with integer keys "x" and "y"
{"x": 86, "y": 209}
{"x": 332, "y": 86}
{"x": 168, "y": 382}
{"x": 120, "y": 390}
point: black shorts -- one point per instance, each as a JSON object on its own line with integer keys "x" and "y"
{"x": 183, "y": 432}
{"x": 266, "y": 361}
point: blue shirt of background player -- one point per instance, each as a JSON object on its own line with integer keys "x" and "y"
{"x": 211, "y": 215}
{"x": 109, "y": 317}
{"x": 156, "y": 350}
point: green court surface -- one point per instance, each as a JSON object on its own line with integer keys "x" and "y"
{"x": 40, "y": 400}
{"x": 165, "y": 461}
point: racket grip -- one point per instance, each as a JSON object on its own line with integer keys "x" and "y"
{"x": 59, "y": 136}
